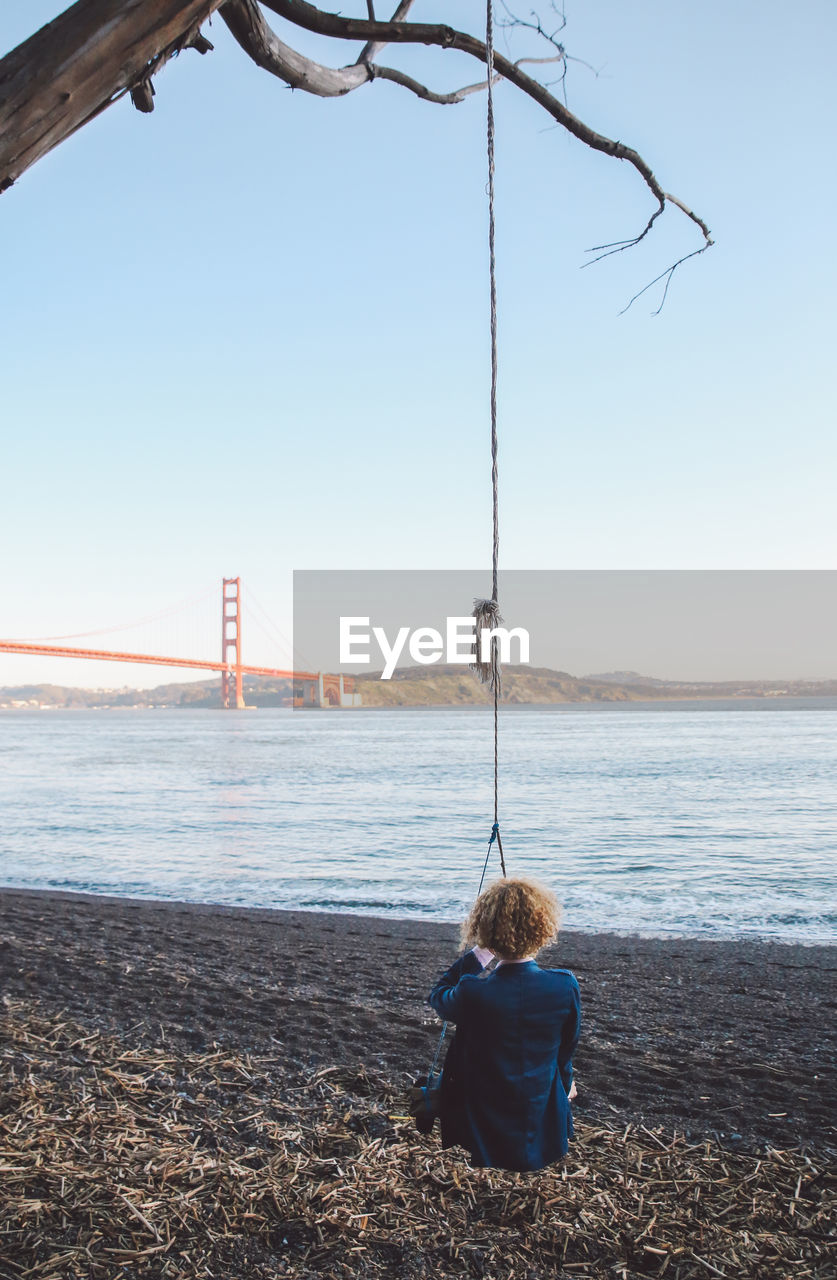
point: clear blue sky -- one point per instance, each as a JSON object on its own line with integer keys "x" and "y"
{"x": 247, "y": 333}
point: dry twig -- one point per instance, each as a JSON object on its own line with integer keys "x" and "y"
{"x": 146, "y": 1162}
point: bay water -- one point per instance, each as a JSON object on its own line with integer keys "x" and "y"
{"x": 712, "y": 819}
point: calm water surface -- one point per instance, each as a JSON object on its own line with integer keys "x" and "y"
{"x": 715, "y": 819}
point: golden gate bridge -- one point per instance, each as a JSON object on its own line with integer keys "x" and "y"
{"x": 309, "y": 688}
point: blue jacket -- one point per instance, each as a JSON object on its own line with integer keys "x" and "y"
{"x": 509, "y": 1068}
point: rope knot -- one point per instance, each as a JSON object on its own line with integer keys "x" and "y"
{"x": 486, "y": 667}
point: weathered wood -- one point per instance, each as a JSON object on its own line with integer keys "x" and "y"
{"x": 77, "y": 65}
{"x": 246, "y": 22}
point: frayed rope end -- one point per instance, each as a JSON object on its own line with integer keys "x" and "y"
{"x": 487, "y": 618}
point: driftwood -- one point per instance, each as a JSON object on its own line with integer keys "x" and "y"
{"x": 119, "y": 1158}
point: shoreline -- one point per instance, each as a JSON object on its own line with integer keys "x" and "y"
{"x": 200, "y": 904}
{"x": 728, "y": 1039}
{"x": 757, "y": 699}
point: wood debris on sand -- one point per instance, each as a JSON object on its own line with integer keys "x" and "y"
{"x": 129, "y": 1161}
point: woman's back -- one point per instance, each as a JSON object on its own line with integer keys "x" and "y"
{"x": 509, "y": 1070}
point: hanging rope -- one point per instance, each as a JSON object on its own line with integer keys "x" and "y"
{"x": 433, "y": 1073}
{"x": 492, "y": 286}
{"x": 487, "y": 612}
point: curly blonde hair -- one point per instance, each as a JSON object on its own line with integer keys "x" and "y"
{"x": 513, "y": 918}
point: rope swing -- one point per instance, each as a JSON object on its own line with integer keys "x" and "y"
{"x": 487, "y": 612}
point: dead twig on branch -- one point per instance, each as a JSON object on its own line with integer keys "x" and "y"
{"x": 664, "y": 275}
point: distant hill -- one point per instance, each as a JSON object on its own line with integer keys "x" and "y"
{"x": 650, "y": 686}
{"x": 431, "y": 686}
{"x": 451, "y": 686}
{"x": 624, "y": 677}
{"x": 259, "y": 691}
{"x": 447, "y": 685}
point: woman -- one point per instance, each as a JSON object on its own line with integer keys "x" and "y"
{"x": 508, "y": 1078}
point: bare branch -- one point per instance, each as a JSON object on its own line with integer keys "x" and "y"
{"x": 619, "y": 246}
{"x": 664, "y": 275}
{"x": 98, "y": 51}
{"x": 249, "y": 27}
{"x": 247, "y": 24}
{"x": 373, "y": 48}
{"x": 558, "y": 57}
{"x": 513, "y": 21}
{"x": 420, "y": 90}
{"x": 331, "y": 24}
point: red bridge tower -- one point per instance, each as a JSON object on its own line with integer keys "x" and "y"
{"x": 232, "y": 695}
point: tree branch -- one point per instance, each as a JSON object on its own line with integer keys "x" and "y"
{"x": 664, "y": 275}
{"x": 247, "y": 24}
{"x": 306, "y": 15}
{"x": 73, "y": 68}
{"x": 99, "y": 50}
{"x": 420, "y": 90}
{"x": 371, "y": 50}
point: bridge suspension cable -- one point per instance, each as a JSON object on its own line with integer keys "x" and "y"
{"x": 122, "y": 626}
{"x": 278, "y": 634}
{"x": 159, "y": 660}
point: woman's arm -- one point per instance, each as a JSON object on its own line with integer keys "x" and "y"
{"x": 446, "y": 996}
